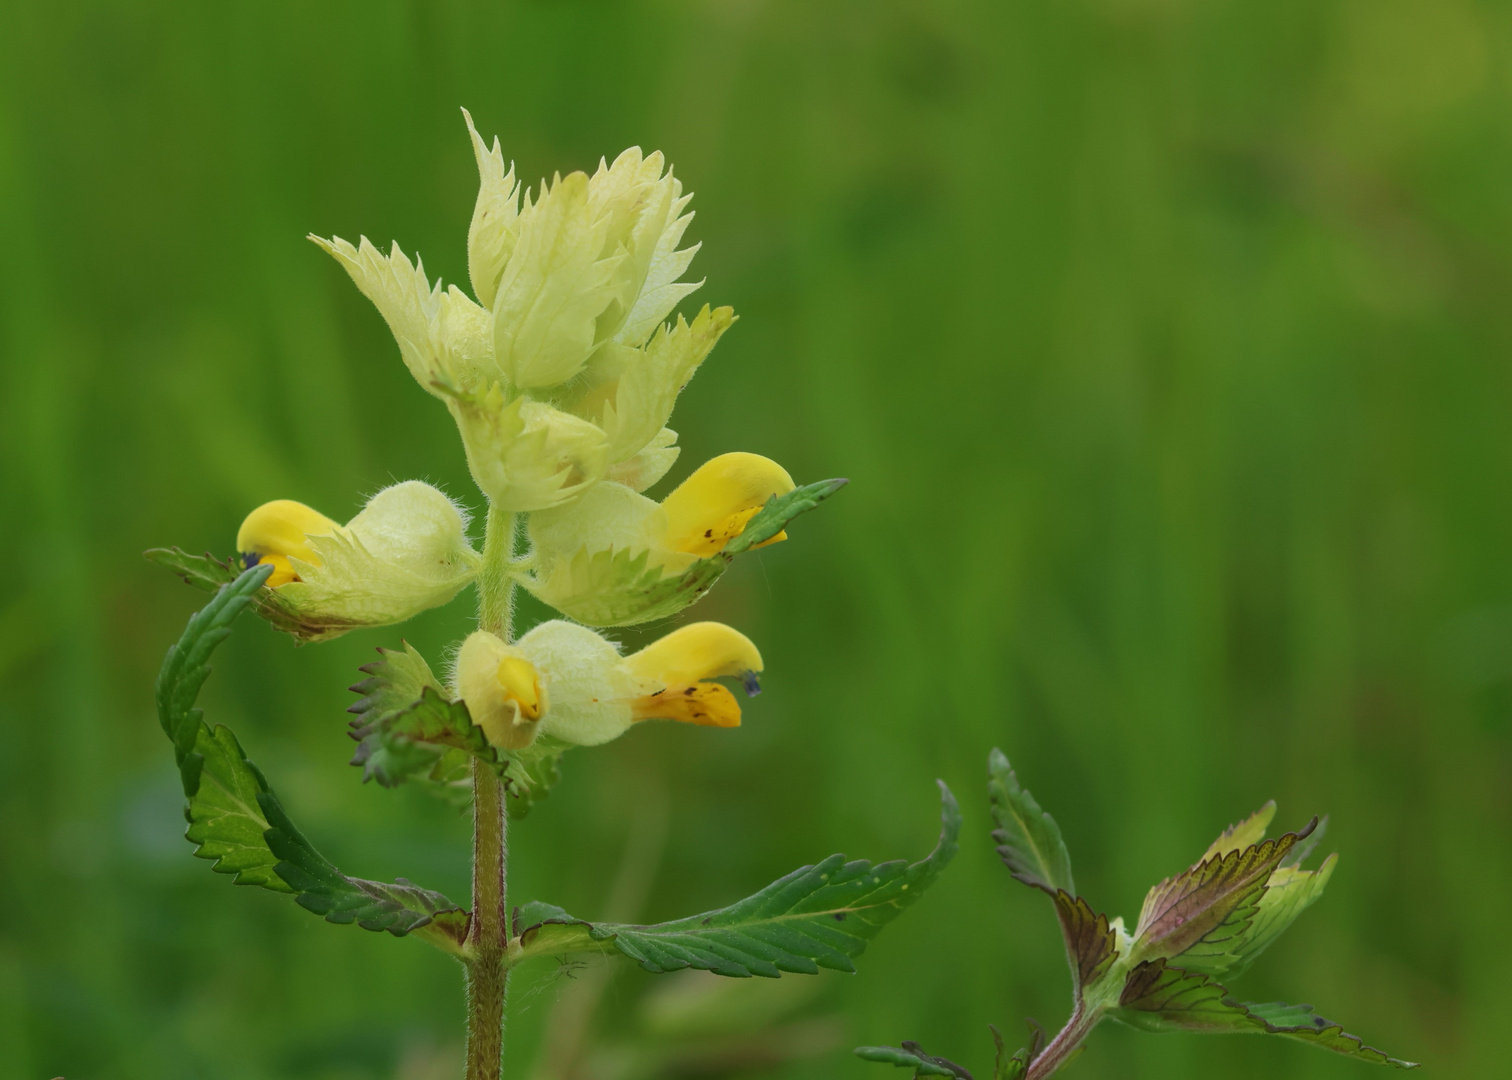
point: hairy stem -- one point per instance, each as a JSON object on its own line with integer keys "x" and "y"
{"x": 488, "y": 935}
{"x": 495, "y": 588}
{"x": 1064, "y": 1044}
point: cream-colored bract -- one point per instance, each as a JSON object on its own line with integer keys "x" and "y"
{"x": 564, "y": 369}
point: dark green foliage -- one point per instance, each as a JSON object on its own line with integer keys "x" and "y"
{"x": 820, "y": 916}
{"x": 237, "y": 821}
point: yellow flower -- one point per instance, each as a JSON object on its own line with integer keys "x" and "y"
{"x": 406, "y": 551}
{"x": 563, "y": 371}
{"x": 614, "y": 557}
{"x": 276, "y": 532}
{"x": 711, "y": 507}
{"x": 570, "y": 683}
{"x": 502, "y": 690}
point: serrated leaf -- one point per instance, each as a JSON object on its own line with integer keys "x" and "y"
{"x": 400, "y": 908}
{"x": 208, "y": 573}
{"x": 819, "y": 916}
{"x": 1289, "y": 891}
{"x": 1029, "y": 840}
{"x": 236, "y": 821}
{"x": 1300, "y": 1022}
{"x": 621, "y": 587}
{"x": 1091, "y": 946}
{"x": 912, "y": 1056}
{"x": 1242, "y": 834}
{"x": 1157, "y": 997}
{"x": 779, "y": 512}
{"x": 531, "y": 774}
{"x": 1202, "y": 914}
{"x": 226, "y": 821}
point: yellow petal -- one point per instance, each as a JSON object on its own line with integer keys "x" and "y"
{"x": 276, "y": 531}
{"x": 698, "y": 651}
{"x": 502, "y": 690}
{"x": 521, "y": 685}
{"x": 712, "y": 506}
{"x": 706, "y": 704}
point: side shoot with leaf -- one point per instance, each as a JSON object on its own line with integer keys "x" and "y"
{"x": 1212, "y": 919}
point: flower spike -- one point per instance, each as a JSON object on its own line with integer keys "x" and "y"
{"x": 563, "y": 370}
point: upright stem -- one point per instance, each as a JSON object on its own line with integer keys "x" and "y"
{"x": 487, "y": 978}
{"x": 495, "y": 589}
{"x": 1064, "y": 1044}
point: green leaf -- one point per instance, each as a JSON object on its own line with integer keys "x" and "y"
{"x": 618, "y": 587}
{"x": 1241, "y": 835}
{"x": 778, "y": 512}
{"x": 1203, "y": 913}
{"x": 912, "y": 1056}
{"x": 400, "y": 908}
{"x": 1157, "y": 997}
{"x": 208, "y": 573}
{"x": 531, "y": 774}
{"x": 236, "y": 821}
{"x": 408, "y": 729}
{"x": 818, "y": 916}
{"x": 1029, "y": 840}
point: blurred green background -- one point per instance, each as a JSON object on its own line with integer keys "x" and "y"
{"x": 1165, "y": 343}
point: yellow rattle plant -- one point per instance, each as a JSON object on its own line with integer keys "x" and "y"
{"x": 561, "y": 370}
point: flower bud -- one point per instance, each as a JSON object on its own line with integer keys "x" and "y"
{"x": 615, "y": 557}
{"x": 406, "y": 551}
